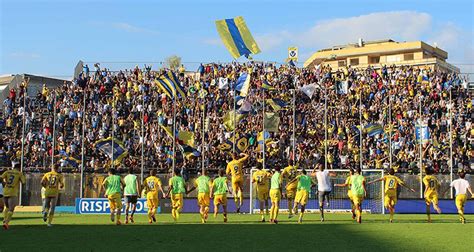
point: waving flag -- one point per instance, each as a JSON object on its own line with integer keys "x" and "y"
{"x": 308, "y": 90}
{"x": 272, "y": 120}
{"x": 243, "y": 84}
{"x": 276, "y": 103}
{"x": 236, "y": 37}
{"x": 183, "y": 137}
{"x": 229, "y": 120}
{"x": 169, "y": 84}
{"x": 267, "y": 86}
{"x": 117, "y": 149}
{"x": 373, "y": 129}
{"x": 189, "y": 151}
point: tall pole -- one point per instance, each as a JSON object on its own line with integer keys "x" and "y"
{"x": 203, "y": 132}
{"x": 23, "y": 138}
{"x": 263, "y": 131}
{"x": 361, "y": 127}
{"x": 142, "y": 138}
{"x": 82, "y": 148}
{"x": 113, "y": 134}
{"x": 390, "y": 127}
{"x": 325, "y": 126}
{"x": 174, "y": 132}
{"x": 294, "y": 126}
{"x": 54, "y": 129}
{"x": 234, "y": 122}
{"x": 421, "y": 150}
{"x": 451, "y": 140}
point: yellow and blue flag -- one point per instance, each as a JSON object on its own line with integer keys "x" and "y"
{"x": 169, "y": 84}
{"x": 276, "y": 103}
{"x": 267, "y": 86}
{"x": 237, "y": 37}
{"x": 112, "y": 149}
{"x": 182, "y": 137}
{"x": 374, "y": 129}
{"x": 243, "y": 84}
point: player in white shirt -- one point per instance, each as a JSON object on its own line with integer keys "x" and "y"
{"x": 324, "y": 185}
{"x": 461, "y": 186}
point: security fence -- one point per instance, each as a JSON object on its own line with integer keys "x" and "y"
{"x": 31, "y": 193}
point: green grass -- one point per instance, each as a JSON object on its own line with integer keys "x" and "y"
{"x": 243, "y": 232}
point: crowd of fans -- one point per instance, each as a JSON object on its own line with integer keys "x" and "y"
{"x": 129, "y": 105}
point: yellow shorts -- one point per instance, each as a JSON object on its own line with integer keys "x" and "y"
{"x": 389, "y": 200}
{"x": 290, "y": 192}
{"x": 220, "y": 199}
{"x": 357, "y": 199}
{"x": 115, "y": 201}
{"x": 302, "y": 197}
{"x": 262, "y": 195}
{"x": 237, "y": 184}
{"x": 460, "y": 201}
{"x": 204, "y": 199}
{"x": 431, "y": 199}
{"x": 349, "y": 195}
{"x": 177, "y": 200}
{"x": 152, "y": 201}
{"x": 275, "y": 195}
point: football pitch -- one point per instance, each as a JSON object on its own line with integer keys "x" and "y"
{"x": 243, "y": 232}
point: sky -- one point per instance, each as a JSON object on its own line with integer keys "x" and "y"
{"x": 50, "y": 37}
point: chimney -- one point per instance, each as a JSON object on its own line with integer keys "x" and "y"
{"x": 361, "y": 42}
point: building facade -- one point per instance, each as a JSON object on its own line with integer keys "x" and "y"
{"x": 380, "y": 53}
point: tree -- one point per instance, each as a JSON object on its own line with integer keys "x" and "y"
{"x": 173, "y": 61}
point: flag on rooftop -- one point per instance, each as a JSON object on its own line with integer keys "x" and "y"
{"x": 236, "y": 37}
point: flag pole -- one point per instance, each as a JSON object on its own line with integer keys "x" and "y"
{"x": 390, "y": 128}
{"x": 263, "y": 131}
{"x": 23, "y": 139}
{"x": 54, "y": 129}
{"x": 294, "y": 126}
{"x": 174, "y": 132}
{"x": 233, "y": 120}
{"x": 143, "y": 138}
{"x": 112, "y": 145}
{"x": 203, "y": 132}
{"x": 451, "y": 139}
{"x": 421, "y": 149}
{"x": 360, "y": 123}
{"x": 325, "y": 126}
{"x": 83, "y": 133}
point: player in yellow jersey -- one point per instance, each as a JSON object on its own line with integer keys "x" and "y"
{"x": 176, "y": 191}
{"x": 151, "y": 186}
{"x": 289, "y": 174}
{"x": 203, "y": 184}
{"x": 234, "y": 168}
{"x": 11, "y": 180}
{"x": 431, "y": 192}
{"x": 391, "y": 185}
{"x": 262, "y": 180}
{"x": 51, "y": 182}
{"x": 347, "y": 184}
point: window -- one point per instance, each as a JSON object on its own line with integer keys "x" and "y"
{"x": 393, "y": 58}
{"x": 341, "y": 63}
{"x": 408, "y": 56}
{"x": 374, "y": 60}
{"x": 354, "y": 62}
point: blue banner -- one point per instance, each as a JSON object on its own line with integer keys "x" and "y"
{"x": 422, "y": 133}
{"x": 101, "y": 206}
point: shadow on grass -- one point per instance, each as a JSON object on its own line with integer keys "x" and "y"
{"x": 192, "y": 237}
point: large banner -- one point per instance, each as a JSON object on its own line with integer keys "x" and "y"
{"x": 101, "y": 206}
